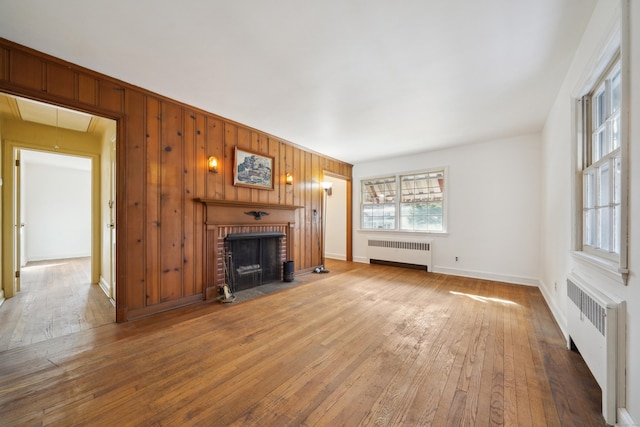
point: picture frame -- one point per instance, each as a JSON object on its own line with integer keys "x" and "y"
{"x": 253, "y": 170}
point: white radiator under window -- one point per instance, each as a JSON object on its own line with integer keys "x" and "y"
{"x": 406, "y": 252}
{"x": 596, "y": 327}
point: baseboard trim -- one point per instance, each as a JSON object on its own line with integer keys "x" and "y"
{"x": 558, "y": 314}
{"x": 340, "y": 257}
{"x": 518, "y": 280}
{"x": 104, "y": 285}
{"x": 624, "y": 419}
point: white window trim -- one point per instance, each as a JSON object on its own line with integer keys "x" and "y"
{"x": 618, "y": 41}
{"x": 397, "y": 230}
{"x": 599, "y": 264}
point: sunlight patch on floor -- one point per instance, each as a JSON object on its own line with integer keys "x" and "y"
{"x": 483, "y": 299}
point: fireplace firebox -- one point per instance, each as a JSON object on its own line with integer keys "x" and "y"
{"x": 254, "y": 258}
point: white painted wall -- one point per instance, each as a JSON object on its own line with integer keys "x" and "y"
{"x": 336, "y": 241}
{"x": 57, "y": 212}
{"x": 493, "y": 200}
{"x": 559, "y": 180}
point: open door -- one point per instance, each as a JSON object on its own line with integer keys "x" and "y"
{"x": 18, "y": 223}
{"x": 112, "y": 222}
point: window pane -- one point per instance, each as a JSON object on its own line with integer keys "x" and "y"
{"x": 435, "y": 216}
{"x": 615, "y": 92}
{"x": 408, "y": 215}
{"x": 406, "y": 222}
{"x": 617, "y": 190}
{"x": 406, "y": 209}
{"x": 615, "y": 132}
{"x": 604, "y": 224}
{"x": 422, "y": 187}
{"x": 589, "y": 228}
{"x": 435, "y": 223}
{"x": 604, "y": 185}
{"x": 589, "y": 190}
{"x": 373, "y": 216}
{"x": 389, "y": 210}
{"x": 389, "y": 223}
{"x": 616, "y": 229}
{"x": 599, "y": 109}
{"x": 599, "y": 148}
{"x": 422, "y": 223}
{"x": 380, "y": 190}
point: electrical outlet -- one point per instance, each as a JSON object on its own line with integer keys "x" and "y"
{"x": 457, "y": 259}
{"x": 555, "y": 286}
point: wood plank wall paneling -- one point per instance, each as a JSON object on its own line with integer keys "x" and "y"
{"x": 171, "y": 198}
{"x": 152, "y": 206}
{"x": 61, "y": 81}
{"x": 4, "y": 64}
{"x": 132, "y": 161}
{"x": 162, "y": 150}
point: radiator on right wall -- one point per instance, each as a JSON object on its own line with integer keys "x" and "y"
{"x": 597, "y": 328}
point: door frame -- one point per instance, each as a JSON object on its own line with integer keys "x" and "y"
{"x": 348, "y": 213}
{"x": 10, "y": 213}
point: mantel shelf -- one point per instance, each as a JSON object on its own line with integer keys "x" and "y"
{"x": 231, "y": 203}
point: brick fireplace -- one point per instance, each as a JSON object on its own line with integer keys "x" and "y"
{"x": 224, "y": 218}
{"x": 253, "y": 258}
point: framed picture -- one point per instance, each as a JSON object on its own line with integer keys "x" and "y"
{"x": 252, "y": 170}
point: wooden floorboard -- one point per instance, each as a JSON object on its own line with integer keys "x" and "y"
{"x": 363, "y": 345}
{"x": 56, "y": 298}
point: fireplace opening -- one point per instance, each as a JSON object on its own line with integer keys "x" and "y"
{"x": 254, "y": 258}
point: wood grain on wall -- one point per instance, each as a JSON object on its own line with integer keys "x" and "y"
{"x": 163, "y": 146}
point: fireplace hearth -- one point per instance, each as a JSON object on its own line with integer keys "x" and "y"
{"x": 254, "y": 258}
{"x": 274, "y": 232}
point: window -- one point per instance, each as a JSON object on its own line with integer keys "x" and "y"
{"x": 420, "y": 206}
{"x": 602, "y": 167}
{"x": 379, "y": 203}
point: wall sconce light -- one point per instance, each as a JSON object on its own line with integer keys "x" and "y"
{"x": 213, "y": 164}
{"x": 326, "y": 186}
{"x": 289, "y": 179}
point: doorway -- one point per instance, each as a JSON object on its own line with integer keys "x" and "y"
{"x": 58, "y": 208}
{"x": 338, "y": 233}
{"x": 54, "y": 191}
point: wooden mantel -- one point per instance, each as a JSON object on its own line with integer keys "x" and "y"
{"x": 233, "y": 212}
{"x": 220, "y": 215}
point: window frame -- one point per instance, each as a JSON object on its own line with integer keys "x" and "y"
{"x": 397, "y": 202}
{"x": 601, "y": 125}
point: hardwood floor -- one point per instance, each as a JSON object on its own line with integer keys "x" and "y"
{"x": 56, "y": 299}
{"x": 363, "y": 345}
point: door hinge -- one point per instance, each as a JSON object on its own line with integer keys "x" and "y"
{"x": 18, "y": 274}
{"x": 17, "y": 162}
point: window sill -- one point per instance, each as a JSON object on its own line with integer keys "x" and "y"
{"x": 406, "y": 233}
{"x": 604, "y": 266}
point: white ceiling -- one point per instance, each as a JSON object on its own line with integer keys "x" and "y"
{"x": 352, "y": 79}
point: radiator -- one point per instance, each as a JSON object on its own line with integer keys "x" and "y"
{"x": 596, "y": 328}
{"x": 406, "y": 252}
